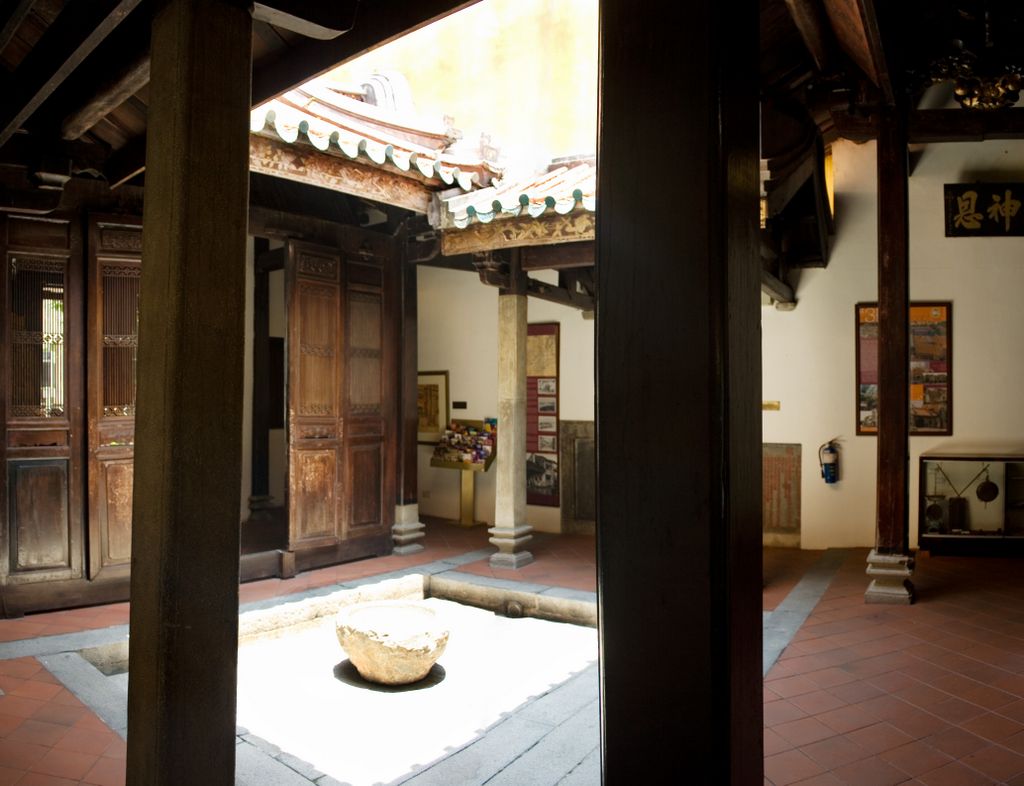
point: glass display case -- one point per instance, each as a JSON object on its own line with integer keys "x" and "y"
{"x": 972, "y": 499}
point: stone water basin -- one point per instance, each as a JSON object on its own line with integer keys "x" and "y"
{"x": 392, "y": 642}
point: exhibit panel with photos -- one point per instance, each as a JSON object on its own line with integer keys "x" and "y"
{"x": 542, "y": 413}
{"x": 931, "y": 368}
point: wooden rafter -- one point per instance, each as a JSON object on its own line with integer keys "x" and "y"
{"x": 376, "y": 24}
{"x": 108, "y": 96}
{"x": 809, "y": 18}
{"x": 11, "y": 18}
{"x": 76, "y": 32}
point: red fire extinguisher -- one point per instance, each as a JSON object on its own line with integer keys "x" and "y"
{"x": 828, "y": 457}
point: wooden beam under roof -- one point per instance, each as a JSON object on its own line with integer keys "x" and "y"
{"x": 11, "y": 18}
{"x": 376, "y": 24}
{"x": 76, "y": 32}
{"x": 855, "y": 25}
{"x": 308, "y": 165}
{"x": 518, "y": 232}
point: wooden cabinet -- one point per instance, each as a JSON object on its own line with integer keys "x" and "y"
{"x": 971, "y": 499}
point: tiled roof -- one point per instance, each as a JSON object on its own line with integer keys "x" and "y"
{"x": 341, "y": 126}
{"x": 473, "y": 189}
{"x": 560, "y": 190}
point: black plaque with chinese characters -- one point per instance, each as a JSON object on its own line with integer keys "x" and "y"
{"x": 984, "y": 209}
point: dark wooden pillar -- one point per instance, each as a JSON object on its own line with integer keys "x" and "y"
{"x": 889, "y": 565}
{"x": 678, "y": 386}
{"x": 261, "y": 378}
{"x": 184, "y": 613}
{"x": 893, "y": 331}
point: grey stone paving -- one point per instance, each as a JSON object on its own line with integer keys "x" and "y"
{"x": 551, "y": 739}
{"x": 781, "y": 625}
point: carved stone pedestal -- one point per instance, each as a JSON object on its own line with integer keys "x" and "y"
{"x": 890, "y": 578}
{"x": 407, "y": 529}
{"x": 510, "y": 542}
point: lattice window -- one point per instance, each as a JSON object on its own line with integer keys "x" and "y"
{"x": 120, "y": 338}
{"x": 36, "y": 287}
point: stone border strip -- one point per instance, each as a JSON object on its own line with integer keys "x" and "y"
{"x": 781, "y": 625}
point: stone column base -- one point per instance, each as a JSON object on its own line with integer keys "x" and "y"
{"x": 407, "y": 530}
{"x": 890, "y": 579}
{"x": 510, "y": 542}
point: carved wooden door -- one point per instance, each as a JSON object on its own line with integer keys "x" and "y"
{"x": 315, "y": 368}
{"x": 342, "y": 395}
{"x": 40, "y": 393}
{"x": 115, "y": 263}
{"x": 371, "y": 389}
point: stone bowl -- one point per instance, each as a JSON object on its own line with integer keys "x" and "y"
{"x": 392, "y": 642}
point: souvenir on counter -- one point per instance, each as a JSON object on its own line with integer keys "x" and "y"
{"x": 467, "y": 443}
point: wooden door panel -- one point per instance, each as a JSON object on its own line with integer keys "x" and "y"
{"x": 40, "y": 526}
{"x": 315, "y": 480}
{"x": 117, "y": 511}
{"x": 314, "y": 396}
{"x": 115, "y": 271}
{"x": 365, "y": 486}
{"x": 41, "y": 361}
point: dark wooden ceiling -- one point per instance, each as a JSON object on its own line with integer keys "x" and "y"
{"x": 74, "y": 75}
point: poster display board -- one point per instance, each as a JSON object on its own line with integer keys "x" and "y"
{"x": 542, "y": 414}
{"x": 931, "y": 368}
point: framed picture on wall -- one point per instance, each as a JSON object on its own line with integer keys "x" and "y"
{"x": 432, "y": 406}
{"x": 931, "y": 368}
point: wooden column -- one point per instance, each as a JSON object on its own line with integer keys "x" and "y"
{"x": 407, "y": 529}
{"x": 889, "y": 565}
{"x": 510, "y": 532}
{"x": 184, "y": 611}
{"x": 678, "y": 386}
{"x": 261, "y": 379}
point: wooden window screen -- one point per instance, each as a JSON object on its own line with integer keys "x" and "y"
{"x": 120, "y": 338}
{"x": 38, "y": 370}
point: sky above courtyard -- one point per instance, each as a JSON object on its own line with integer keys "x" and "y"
{"x": 523, "y": 71}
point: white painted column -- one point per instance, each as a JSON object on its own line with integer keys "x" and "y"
{"x": 510, "y": 532}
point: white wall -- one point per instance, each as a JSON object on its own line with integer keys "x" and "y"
{"x": 458, "y": 333}
{"x": 808, "y": 353}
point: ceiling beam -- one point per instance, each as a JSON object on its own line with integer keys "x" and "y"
{"x": 74, "y": 34}
{"x": 809, "y": 18}
{"x": 562, "y": 256}
{"x": 11, "y": 18}
{"x": 855, "y": 25}
{"x": 111, "y": 94}
{"x": 939, "y": 125}
{"x": 377, "y": 23}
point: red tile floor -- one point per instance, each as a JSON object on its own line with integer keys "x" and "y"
{"x": 926, "y": 694}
